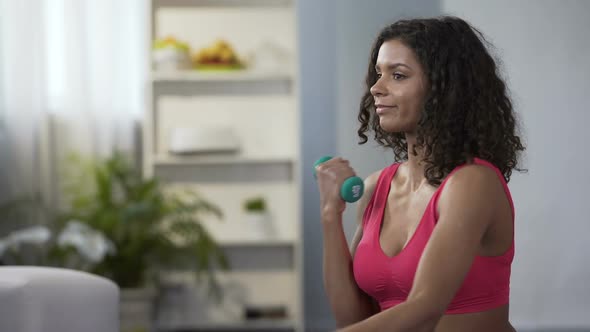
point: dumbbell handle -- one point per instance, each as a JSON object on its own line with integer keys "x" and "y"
{"x": 352, "y": 188}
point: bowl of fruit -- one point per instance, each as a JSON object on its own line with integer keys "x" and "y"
{"x": 218, "y": 56}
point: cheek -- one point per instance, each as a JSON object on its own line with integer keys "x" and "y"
{"x": 411, "y": 108}
{"x": 413, "y": 104}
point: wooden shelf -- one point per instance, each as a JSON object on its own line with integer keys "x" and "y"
{"x": 219, "y": 76}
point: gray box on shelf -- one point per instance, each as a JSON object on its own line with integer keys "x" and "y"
{"x": 210, "y": 139}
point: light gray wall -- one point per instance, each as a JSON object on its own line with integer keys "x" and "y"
{"x": 545, "y": 46}
{"x": 317, "y": 31}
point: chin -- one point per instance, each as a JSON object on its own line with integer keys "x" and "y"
{"x": 392, "y": 127}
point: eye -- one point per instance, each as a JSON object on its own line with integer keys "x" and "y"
{"x": 398, "y": 76}
{"x": 379, "y": 75}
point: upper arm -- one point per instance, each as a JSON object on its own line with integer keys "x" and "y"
{"x": 467, "y": 205}
{"x": 370, "y": 184}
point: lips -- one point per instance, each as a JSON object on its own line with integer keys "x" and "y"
{"x": 379, "y": 108}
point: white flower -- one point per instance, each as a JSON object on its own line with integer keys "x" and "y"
{"x": 90, "y": 243}
{"x": 31, "y": 235}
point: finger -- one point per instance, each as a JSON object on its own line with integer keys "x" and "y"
{"x": 342, "y": 171}
{"x": 323, "y": 167}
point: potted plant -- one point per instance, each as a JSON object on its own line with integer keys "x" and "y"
{"x": 257, "y": 218}
{"x": 151, "y": 229}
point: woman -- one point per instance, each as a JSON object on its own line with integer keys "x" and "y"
{"x": 435, "y": 237}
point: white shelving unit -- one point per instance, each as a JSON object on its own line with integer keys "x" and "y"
{"x": 261, "y": 105}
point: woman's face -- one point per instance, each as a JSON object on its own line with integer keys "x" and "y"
{"x": 401, "y": 88}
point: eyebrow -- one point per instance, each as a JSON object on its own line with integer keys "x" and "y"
{"x": 392, "y": 66}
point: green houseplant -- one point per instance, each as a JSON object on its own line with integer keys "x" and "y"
{"x": 255, "y": 205}
{"x": 150, "y": 228}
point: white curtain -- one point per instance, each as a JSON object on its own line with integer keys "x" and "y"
{"x": 83, "y": 62}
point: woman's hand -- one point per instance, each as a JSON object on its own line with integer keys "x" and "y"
{"x": 330, "y": 176}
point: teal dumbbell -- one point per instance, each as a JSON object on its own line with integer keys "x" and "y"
{"x": 352, "y": 189}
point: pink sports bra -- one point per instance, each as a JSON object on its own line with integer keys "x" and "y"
{"x": 389, "y": 279}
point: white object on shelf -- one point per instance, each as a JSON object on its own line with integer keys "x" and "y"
{"x": 170, "y": 58}
{"x": 203, "y": 140}
{"x": 259, "y": 226}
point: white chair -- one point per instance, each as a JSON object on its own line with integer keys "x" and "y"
{"x": 42, "y": 299}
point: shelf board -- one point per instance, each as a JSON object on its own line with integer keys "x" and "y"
{"x": 256, "y": 243}
{"x": 222, "y": 3}
{"x": 219, "y": 76}
{"x": 255, "y": 325}
{"x": 171, "y": 160}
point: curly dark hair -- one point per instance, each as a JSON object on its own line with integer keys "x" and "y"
{"x": 467, "y": 112}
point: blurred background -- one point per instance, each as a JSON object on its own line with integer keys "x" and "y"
{"x": 168, "y": 145}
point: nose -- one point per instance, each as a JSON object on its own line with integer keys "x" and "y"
{"x": 377, "y": 89}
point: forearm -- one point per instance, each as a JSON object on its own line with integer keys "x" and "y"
{"x": 349, "y": 305}
{"x": 409, "y": 316}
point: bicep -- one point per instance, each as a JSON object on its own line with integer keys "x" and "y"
{"x": 358, "y": 235}
{"x": 370, "y": 183}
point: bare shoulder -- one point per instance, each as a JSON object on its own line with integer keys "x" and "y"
{"x": 370, "y": 184}
{"x": 474, "y": 176}
{"x": 476, "y": 184}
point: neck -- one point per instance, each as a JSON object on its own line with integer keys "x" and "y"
{"x": 415, "y": 165}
